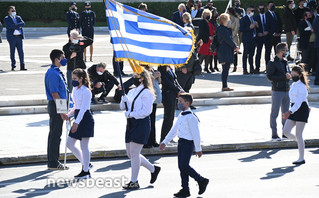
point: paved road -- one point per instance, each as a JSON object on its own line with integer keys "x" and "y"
{"x": 262, "y": 174}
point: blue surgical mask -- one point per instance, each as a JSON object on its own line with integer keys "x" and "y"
{"x": 75, "y": 83}
{"x": 293, "y": 6}
{"x": 305, "y": 5}
{"x": 63, "y": 62}
{"x": 14, "y": 14}
{"x": 75, "y": 41}
{"x": 208, "y": 17}
{"x": 287, "y": 55}
{"x": 181, "y": 106}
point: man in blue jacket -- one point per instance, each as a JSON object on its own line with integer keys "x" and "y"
{"x": 14, "y": 25}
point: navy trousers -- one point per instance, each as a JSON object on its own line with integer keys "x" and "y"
{"x": 261, "y": 41}
{"x": 14, "y": 43}
{"x": 185, "y": 151}
{"x": 225, "y": 74}
{"x": 249, "y": 51}
{"x": 317, "y": 68}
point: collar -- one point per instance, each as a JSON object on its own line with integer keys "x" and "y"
{"x": 55, "y": 67}
{"x": 298, "y": 82}
{"x": 186, "y": 112}
{"x": 280, "y": 60}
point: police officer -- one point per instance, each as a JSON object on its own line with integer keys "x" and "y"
{"x": 87, "y": 21}
{"x": 72, "y": 18}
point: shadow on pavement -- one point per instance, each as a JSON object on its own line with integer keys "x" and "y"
{"x": 279, "y": 172}
{"x": 315, "y": 151}
{"x": 38, "y": 124}
{"x": 263, "y": 154}
{"x": 31, "y": 177}
{"x": 123, "y": 193}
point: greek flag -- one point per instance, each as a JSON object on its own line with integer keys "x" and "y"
{"x": 146, "y": 38}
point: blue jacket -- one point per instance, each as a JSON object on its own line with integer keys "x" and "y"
{"x": 225, "y": 51}
{"x": 177, "y": 19}
{"x": 11, "y": 26}
{"x": 315, "y": 26}
{"x": 248, "y": 34}
{"x": 267, "y": 25}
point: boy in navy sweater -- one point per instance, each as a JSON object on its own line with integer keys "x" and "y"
{"x": 186, "y": 128}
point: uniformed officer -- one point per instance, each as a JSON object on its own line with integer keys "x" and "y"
{"x": 87, "y": 21}
{"x": 72, "y": 18}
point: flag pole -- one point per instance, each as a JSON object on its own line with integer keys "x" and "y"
{"x": 68, "y": 127}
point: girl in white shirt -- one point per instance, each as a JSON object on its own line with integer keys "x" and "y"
{"x": 83, "y": 126}
{"x": 138, "y": 104}
{"x": 299, "y": 111}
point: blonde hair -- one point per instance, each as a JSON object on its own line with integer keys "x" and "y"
{"x": 147, "y": 81}
{"x": 205, "y": 13}
{"x": 187, "y": 17}
{"x": 223, "y": 19}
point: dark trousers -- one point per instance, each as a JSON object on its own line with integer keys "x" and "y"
{"x": 185, "y": 151}
{"x": 14, "y": 43}
{"x": 169, "y": 103}
{"x": 274, "y": 41}
{"x": 261, "y": 41}
{"x": 185, "y": 80}
{"x": 105, "y": 89}
{"x": 116, "y": 65}
{"x": 309, "y": 57}
{"x": 235, "y": 59}
{"x": 317, "y": 68}
{"x": 207, "y": 59}
{"x": 249, "y": 51}
{"x": 55, "y": 133}
{"x": 225, "y": 73}
{"x": 152, "y": 138}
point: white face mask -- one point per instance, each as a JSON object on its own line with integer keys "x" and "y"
{"x": 293, "y": 6}
{"x": 75, "y": 41}
{"x": 251, "y": 14}
{"x": 14, "y": 14}
{"x": 305, "y": 5}
{"x": 99, "y": 73}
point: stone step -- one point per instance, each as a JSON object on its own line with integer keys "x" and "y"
{"x": 15, "y": 110}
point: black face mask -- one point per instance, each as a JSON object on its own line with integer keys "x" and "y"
{"x": 88, "y": 9}
{"x": 262, "y": 10}
{"x": 136, "y": 82}
{"x": 74, "y": 9}
{"x": 295, "y": 78}
{"x": 272, "y": 8}
{"x": 237, "y": 5}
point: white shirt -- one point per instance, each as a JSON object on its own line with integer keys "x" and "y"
{"x": 185, "y": 127}
{"x": 82, "y": 100}
{"x": 193, "y": 13}
{"x": 16, "y": 32}
{"x": 298, "y": 94}
{"x": 143, "y": 105}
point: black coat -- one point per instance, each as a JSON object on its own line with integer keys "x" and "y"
{"x": 79, "y": 54}
{"x": 276, "y": 73}
{"x": 169, "y": 82}
{"x": 290, "y": 20}
{"x": 248, "y": 34}
{"x": 267, "y": 26}
{"x": 177, "y": 19}
{"x": 73, "y": 20}
{"x": 304, "y": 35}
{"x": 315, "y": 26}
{"x": 226, "y": 46}
{"x": 105, "y": 77}
{"x": 203, "y": 31}
{"x": 275, "y": 23}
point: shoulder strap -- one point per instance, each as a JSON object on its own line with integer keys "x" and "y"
{"x": 136, "y": 98}
{"x": 188, "y": 112}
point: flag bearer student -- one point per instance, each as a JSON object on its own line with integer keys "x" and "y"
{"x": 139, "y": 102}
{"x": 186, "y": 128}
{"x": 83, "y": 127}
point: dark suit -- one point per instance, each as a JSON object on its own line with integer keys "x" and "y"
{"x": 263, "y": 26}
{"x": 248, "y": 39}
{"x": 203, "y": 31}
{"x": 73, "y": 20}
{"x": 315, "y": 26}
{"x": 305, "y": 46}
{"x": 177, "y": 18}
{"x": 275, "y": 28}
{"x": 15, "y": 41}
{"x": 170, "y": 90}
{"x": 87, "y": 22}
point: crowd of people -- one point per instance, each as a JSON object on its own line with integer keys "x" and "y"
{"x": 218, "y": 39}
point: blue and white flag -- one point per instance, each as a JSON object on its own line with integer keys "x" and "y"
{"x": 146, "y": 38}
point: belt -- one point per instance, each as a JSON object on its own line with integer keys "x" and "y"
{"x": 17, "y": 35}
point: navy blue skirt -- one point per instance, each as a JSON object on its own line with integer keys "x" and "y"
{"x": 302, "y": 114}
{"x": 138, "y": 130}
{"x": 88, "y": 32}
{"x": 86, "y": 126}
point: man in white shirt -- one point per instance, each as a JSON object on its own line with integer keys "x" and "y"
{"x": 14, "y": 25}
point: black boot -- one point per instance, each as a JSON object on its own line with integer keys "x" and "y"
{"x": 202, "y": 186}
{"x": 182, "y": 193}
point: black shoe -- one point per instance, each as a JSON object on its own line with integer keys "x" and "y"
{"x": 207, "y": 71}
{"x": 192, "y": 107}
{"x": 257, "y": 71}
{"x": 102, "y": 100}
{"x": 216, "y": 68}
{"x": 299, "y": 162}
{"x": 59, "y": 167}
{"x": 275, "y": 138}
{"x": 182, "y": 193}
{"x": 211, "y": 69}
{"x": 12, "y": 69}
{"x": 155, "y": 174}
{"x": 202, "y": 186}
{"x": 93, "y": 101}
{"x": 83, "y": 175}
{"x": 23, "y": 69}
{"x": 116, "y": 75}
{"x": 245, "y": 73}
{"x": 132, "y": 186}
{"x": 155, "y": 144}
{"x": 284, "y": 137}
{"x": 147, "y": 146}
{"x": 124, "y": 74}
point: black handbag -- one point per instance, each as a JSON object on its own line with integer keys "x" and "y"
{"x": 197, "y": 67}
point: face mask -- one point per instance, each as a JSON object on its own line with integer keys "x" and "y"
{"x": 75, "y": 83}
{"x": 181, "y": 106}
{"x": 251, "y": 14}
{"x": 99, "y": 73}
{"x": 272, "y": 8}
{"x": 287, "y": 54}
{"x": 88, "y": 9}
{"x": 74, "y": 9}
{"x": 14, "y": 14}
{"x": 63, "y": 62}
{"x": 293, "y": 6}
{"x": 305, "y": 5}
{"x": 237, "y": 5}
{"x": 136, "y": 82}
{"x": 75, "y": 41}
{"x": 295, "y": 78}
{"x": 208, "y": 17}
{"x": 262, "y": 10}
